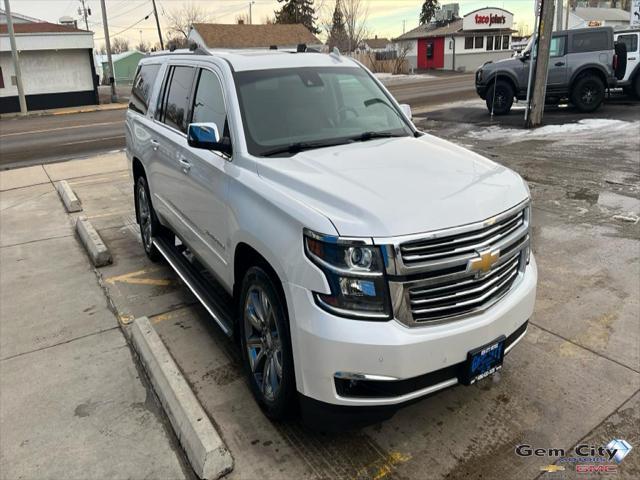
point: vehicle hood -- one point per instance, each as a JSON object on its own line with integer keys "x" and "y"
{"x": 397, "y": 186}
{"x": 502, "y": 63}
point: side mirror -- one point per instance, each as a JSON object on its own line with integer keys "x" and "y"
{"x": 406, "y": 109}
{"x": 207, "y": 137}
{"x": 525, "y": 56}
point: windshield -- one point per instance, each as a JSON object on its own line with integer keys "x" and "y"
{"x": 287, "y": 110}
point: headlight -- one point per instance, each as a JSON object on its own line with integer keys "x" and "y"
{"x": 355, "y": 271}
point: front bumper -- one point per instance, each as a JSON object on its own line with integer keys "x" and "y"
{"x": 325, "y": 345}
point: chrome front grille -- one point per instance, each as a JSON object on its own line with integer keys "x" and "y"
{"x": 442, "y": 276}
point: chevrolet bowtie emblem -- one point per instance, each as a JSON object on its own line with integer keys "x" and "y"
{"x": 552, "y": 468}
{"x": 484, "y": 262}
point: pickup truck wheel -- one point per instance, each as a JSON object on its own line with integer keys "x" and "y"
{"x": 149, "y": 225}
{"x": 266, "y": 347}
{"x": 587, "y": 93}
{"x": 503, "y": 94}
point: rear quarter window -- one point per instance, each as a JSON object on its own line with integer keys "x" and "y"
{"x": 142, "y": 88}
{"x": 590, "y": 42}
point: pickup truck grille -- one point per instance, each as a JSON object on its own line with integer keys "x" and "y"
{"x": 440, "y": 282}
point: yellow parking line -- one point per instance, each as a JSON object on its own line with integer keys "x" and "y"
{"x": 133, "y": 278}
{"x": 384, "y": 466}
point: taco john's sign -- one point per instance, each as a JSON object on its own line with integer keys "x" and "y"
{"x": 488, "y": 18}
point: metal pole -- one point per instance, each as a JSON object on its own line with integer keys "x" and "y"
{"x": 155, "y": 12}
{"x": 112, "y": 75}
{"x": 532, "y": 62}
{"x": 250, "y": 13}
{"x": 16, "y": 59}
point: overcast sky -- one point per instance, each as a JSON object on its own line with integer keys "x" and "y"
{"x": 385, "y": 16}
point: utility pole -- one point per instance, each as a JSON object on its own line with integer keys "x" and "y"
{"x": 250, "y": 13}
{"x": 559, "y": 16}
{"x": 545, "y": 31}
{"x": 16, "y": 59}
{"x": 112, "y": 79}
{"x": 155, "y": 12}
{"x": 85, "y": 12}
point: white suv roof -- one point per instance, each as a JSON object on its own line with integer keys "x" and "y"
{"x": 243, "y": 60}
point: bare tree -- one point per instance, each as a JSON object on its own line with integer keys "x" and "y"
{"x": 119, "y": 45}
{"x": 356, "y": 14}
{"x": 181, "y": 19}
{"x": 268, "y": 20}
{"x": 143, "y": 46}
{"x": 400, "y": 63}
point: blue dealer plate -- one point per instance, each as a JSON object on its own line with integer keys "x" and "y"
{"x": 484, "y": 361}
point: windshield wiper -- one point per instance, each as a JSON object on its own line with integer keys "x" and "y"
{"x": 298, "y": 147}
{"x": 366, "y": 136}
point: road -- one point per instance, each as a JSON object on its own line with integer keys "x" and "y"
{"x": 46, "y": 139}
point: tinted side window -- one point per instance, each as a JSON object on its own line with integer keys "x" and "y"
{"x": 178, "y": 98}
{"x": 142, "y": 86}
{"x": 208, "y": 106}
{"x": 557, "y": 46}
{"x": 590, "y": 42}
{"x": 631, "y": 41}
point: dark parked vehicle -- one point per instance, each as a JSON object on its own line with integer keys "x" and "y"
{"x": 582, "y": 65}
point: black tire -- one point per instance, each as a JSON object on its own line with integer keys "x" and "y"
{"x": 270, "y": 344}
{"x": 503, "y": 92}
{"x": 147, "y": 219}
{"x": 636, "y": 86}
{"x": 587, "y": 93}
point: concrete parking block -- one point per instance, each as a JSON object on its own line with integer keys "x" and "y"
{"x": 109, "y": 162}
{"x": 48, "y": 295}
{"x": 68, "y": 197}
{"x": 22, "y": 177}
{"x": 81, "y": 410}
{"x": 96, "y": 248}
{"x": 31, "y": 214}
{"x": 206, "y": 451}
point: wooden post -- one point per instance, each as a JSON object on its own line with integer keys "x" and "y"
{"x": 545, "y": 31}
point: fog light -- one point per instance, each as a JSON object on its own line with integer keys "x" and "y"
{"x": 353, "y": 287}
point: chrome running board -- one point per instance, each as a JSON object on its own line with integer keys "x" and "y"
{"x": 212, "y": 296}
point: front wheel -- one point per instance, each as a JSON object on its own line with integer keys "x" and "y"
{"x": 500, "y": 98}
{"x": 266, "y": 345}
{"x": 587, "y": 93}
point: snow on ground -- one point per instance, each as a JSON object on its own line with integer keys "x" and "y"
{"x": 390, "y": 79}
{"x": 587, "y": 127}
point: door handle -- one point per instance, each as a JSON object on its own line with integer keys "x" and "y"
{"x": 155, "y": 144}
{"x": 632, "y": 58}
{"x": 559, "y": 64}
{"x": 186, "y": 166}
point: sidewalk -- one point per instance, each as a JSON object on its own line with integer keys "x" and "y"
{"x": 68, "y": 110}
{"x": 73, "y": 403}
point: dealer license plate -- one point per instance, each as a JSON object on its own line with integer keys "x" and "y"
{"x": 484, "y": 361}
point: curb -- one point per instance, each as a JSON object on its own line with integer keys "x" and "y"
{"x": 204, "y": 447}
{"x": 70, "y": 111}
{"x": 97, "y": 250}
{"x": 68, "y": 197}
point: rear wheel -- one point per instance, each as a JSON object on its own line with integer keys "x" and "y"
{"x": 587, "y": 93}
{"x": 500, "y": 98}
{"x": 636, "y": 86}
{"x": 147, "y": 219}
{"x": 266, "y": 346}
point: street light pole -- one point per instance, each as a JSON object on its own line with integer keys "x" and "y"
{"x": 112, "y": 74}
{"x": 250, "y": 12}
{"x": 16, "y": 59}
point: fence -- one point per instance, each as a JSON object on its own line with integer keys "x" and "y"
{"x": 395, "y": 65}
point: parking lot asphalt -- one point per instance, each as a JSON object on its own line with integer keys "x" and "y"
{"x": 574, "y": 378}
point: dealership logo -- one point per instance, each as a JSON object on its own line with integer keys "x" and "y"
{"x": 621, "y": 447}
{"x": 492, "y": 19}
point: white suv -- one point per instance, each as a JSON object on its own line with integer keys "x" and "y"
{"x": 359, "y": 261}
{"x": 631, "y": 80}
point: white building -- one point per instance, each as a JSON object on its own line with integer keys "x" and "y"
{"x": 56, "y": 62}
{"x": 582, "y": 17}
{"x": 463, "y": 44}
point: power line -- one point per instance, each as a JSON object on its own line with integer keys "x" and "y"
{"x": 129, "y": 27}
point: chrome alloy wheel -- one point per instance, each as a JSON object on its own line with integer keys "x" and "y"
{"x": 263, "y": 342}
{"x": 144, "y": 212}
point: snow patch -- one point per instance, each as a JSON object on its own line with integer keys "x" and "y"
{"x": 583, "y": 126}
{"x": 390, "y": 79}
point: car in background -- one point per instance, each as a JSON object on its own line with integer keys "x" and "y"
{"x": 582, "y": 65}
{"x": 630, "y": 82}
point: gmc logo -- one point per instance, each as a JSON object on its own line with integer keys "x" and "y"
{"x": 596, "y": 468}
